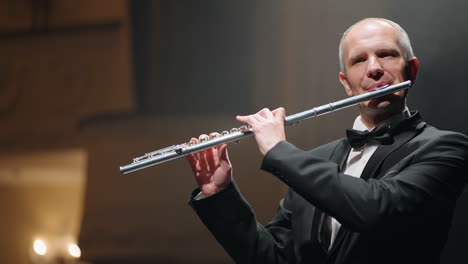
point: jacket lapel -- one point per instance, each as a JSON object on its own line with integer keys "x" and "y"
{"x": 340, "y": 153}
{"x": 403, "y": 133}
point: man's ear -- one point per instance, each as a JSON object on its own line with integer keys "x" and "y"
{"x": 345, "y": 84}
{"x": 411, "y": 69}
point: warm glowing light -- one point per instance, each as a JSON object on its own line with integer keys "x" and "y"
{"x": 74, "y": 250}
{"x": 40, "y": 247}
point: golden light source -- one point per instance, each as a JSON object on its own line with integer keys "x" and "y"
{"x": 40, "y": 247}
{"x": 74, "y": 250}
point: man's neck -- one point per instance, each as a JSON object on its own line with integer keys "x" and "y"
{"x": 376, "y": 120}
{"x": 370, "y": 123}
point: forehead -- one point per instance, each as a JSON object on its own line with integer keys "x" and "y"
{"x": 369, "y": 36}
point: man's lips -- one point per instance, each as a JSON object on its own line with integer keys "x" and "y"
{"x": 377, "y": 85}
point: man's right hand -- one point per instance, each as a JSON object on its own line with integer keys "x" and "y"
{"x": 211, "y": 168}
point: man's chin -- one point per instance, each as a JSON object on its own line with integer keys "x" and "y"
{"x": 384, "y": 102}
{"x": 382, "y": 105}
{"x": 382, "y": 109}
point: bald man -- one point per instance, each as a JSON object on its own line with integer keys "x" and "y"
{"x": 384, "y": 196}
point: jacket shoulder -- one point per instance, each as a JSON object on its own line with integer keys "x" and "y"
{"x": 433, "y": 134}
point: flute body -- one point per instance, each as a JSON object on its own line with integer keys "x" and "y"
{"x": 237, "y": 134}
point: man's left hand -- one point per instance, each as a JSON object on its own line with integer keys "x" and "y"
{"x": 268, "y": 127}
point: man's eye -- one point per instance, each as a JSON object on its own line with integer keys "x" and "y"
{"x": 358, "y": 60}
{"x": 387, "y": 54}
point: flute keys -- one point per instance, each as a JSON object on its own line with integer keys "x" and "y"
{"x": 225, "y": 133}
{"x": 234, "y": 130}
{"x": 245, "y": 128}
{"x": 214, "y": 135}
{"x": 179, "y": 150}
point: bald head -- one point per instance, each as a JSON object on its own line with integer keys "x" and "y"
{"x": 403, "y": 39}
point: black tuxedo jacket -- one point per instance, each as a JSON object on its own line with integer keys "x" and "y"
{"x": 399, "y": 211}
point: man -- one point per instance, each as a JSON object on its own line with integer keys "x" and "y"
{"x": 387, "y": 200}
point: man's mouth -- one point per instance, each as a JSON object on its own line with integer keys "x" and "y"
{"x": 378, "y": 85}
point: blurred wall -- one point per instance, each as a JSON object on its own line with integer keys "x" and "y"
{"x": 62, "y": 63}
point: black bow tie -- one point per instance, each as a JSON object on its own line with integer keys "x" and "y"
{"x": 358, "y": 139}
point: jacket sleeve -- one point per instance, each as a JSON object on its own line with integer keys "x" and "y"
{"x": 231, "y": 220}
{"x": 429, "y": 179}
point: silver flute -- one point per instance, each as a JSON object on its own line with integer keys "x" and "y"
{"x": 236, "y": 134}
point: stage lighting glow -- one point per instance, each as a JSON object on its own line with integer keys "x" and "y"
{"x": 40, "y": 247}
{"x": 74, "y": 250}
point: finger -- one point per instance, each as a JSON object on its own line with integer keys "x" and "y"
{"x": 202, "y": 154}
{"x": 212, "y": 154}
{"x": 192, "y": 159}
{"x": 279, "y": 113}
{"x": 215, "y": 151}
{"x": 223, "y": 154}
{"x": 193, "y": 163}
{"x": 242, "y": 119}
{"x": 266, "y": 113}
{"x": 219, "y": 148}
{"x": 212, "y": 158}
{"x": 194, "y": 140}
{"x": 254, "y": 121}
{"x": 246, "y": 119}
{"x": 202, "y": 160}
{"x": 258, "y": 118}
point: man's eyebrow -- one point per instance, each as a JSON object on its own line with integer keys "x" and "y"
{"x": 362, "y": 53}
{"x": 389, "y": 49}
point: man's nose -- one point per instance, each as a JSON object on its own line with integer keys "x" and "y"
{"x": 374, "y": 69}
